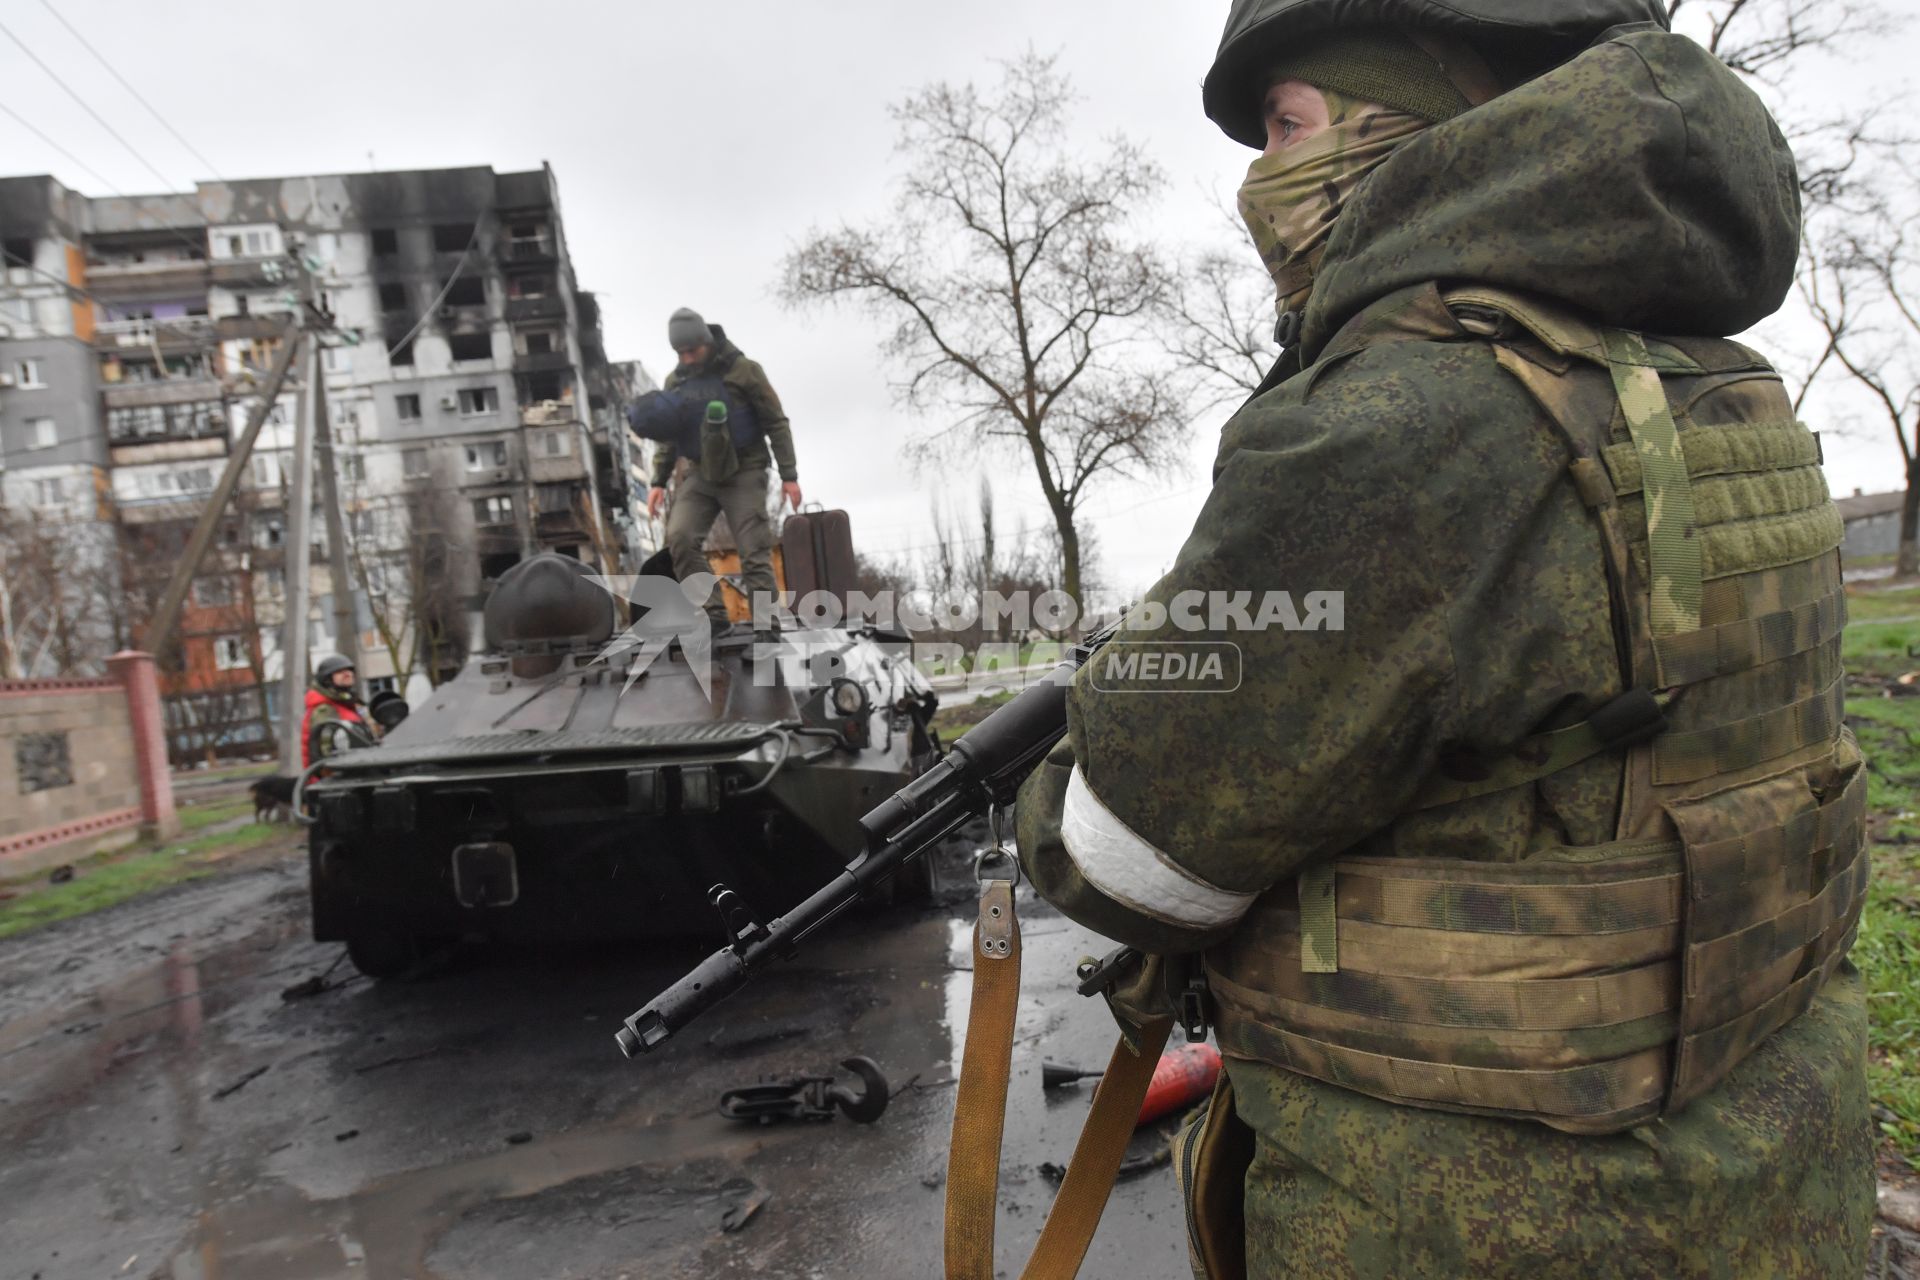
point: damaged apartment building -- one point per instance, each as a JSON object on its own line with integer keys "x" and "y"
{"x": 474, "y": 413}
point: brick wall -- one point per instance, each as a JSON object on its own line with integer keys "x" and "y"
{"x": 73, "y": 774}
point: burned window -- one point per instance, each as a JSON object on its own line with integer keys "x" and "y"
{"x": 467, "y": 291}
{"x": 43, "y": 761}
{"x": 493, "y": 511}
{"x": 18, "y": 251}
{"x": 535, "y": 285}
{"x": 402, "y": 354}
{"x": 480, "y": 400}
{"x": 470, "y": 346}
{"x": 386, "y": 242}
{"x": 535, "y": 387}
{"x": 452, "y": 237}
{"x": 212, "y": 593}
{"x": 393, "y": 297}
{"x": 540, "y": 342}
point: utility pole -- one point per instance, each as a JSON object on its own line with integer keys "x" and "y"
{"x": 159, "y": 631}
{"x": 293, "y": 643}
{"x": 346, "y": 627}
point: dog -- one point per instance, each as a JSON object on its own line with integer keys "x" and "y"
{"x": 272, "y": 798}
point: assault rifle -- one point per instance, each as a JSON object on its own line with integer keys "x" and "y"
{"x": 980, "y": 772}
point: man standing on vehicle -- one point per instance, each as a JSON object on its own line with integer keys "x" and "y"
{"x": 719, "y": 411}
{"x": 1522, "y": 899}
{"x": 330, "y": 700}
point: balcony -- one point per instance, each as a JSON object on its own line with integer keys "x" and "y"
{"x": 538, "y": 251}
{"x": 547, "y": 413}
{"x": 137, "y": 395}
{"x": 541, "y": 362}
{"x": 548, "y": 307}
{"x": 251, "y": 272}
{"x": 154, "y": 277}
{"x": 464, "y": 319}
{"x": 250, "y": 327}
{"x": 186, "y": 333}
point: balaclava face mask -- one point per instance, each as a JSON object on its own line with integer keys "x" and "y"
{"x": 1291, "y": 199}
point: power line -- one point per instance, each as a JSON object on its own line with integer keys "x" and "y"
{"x": 151, "y": 109}
{"x": 445, "y": 289}
{"x": 85, "y": 106}
{"x": 139, "y": 202}
{"x": 72, "y": 288}
{"x": 31, "y": 128}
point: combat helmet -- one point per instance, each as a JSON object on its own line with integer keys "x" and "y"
{"x": 330, "y": 666}
{"x": 1512, "y": 34}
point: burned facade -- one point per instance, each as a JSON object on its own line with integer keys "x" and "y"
{"x": 471, "y": 407}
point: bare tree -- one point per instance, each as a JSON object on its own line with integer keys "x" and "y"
{"x": 59, "y": 601}
{"x": 1861, "y": 283}
{"x": 401, "y": 561}
{"x": 1014, "y": 288}
{"x": 1765, "y": 39}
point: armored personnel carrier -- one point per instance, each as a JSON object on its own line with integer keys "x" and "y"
{"x": 584, "y": 780}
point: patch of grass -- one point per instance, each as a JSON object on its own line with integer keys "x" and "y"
{"x": 109, "y": 879}
{"x": 1867, "y": 605}
{"x": 246, "y": 769}
{"x": 198, "y": 816}
{"x": 1888, "y": 947}
{"x": 1888, "y": 952}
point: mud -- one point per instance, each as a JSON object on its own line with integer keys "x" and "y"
{"x": 164, "y": 1113}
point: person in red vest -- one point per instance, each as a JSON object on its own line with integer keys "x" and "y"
{"x": 330, "y": 700}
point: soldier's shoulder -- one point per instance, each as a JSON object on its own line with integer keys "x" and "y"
{"x": 1402, "y": 394}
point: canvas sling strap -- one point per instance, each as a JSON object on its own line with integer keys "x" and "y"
{"x": 980, "y": 1107}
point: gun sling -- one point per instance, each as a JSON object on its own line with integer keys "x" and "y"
{"x": 980, "y": 1107}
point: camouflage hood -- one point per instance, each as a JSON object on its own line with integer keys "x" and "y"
{"x": 1641, "y": 182}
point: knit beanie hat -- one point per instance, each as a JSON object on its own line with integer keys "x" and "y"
{"x": 686, "y": 330}
{"x": 1375, "y": 64}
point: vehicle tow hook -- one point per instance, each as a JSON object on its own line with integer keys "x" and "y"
{"x": 809, "y": 1097}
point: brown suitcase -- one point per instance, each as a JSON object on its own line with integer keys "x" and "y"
{"x": 817, "y": 546}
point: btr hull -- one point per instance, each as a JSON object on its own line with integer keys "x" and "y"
{"x": 583, "y": 796}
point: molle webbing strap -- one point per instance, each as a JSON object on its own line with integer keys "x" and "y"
{"x": 1673, "y": 541}
{"x": 1537, "y": 757}
{"x": 1473, "y": 897}
{"x": 1403, "y": 949}
{"x": 1776, "y": 910}
{"x": 1714, "y": 450}
{"x": 1740, "y": 744}
{"x": 1298, "y": 999}
{"x": 1598, "y": 1097}
{"x": 1319, "y": 928}
{"x": 1752, "y": 642}
{"x": 1632, "y": 717}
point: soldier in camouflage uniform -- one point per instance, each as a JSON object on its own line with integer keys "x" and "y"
{"x": 730, "y": 453}
{"x": 1523, "y": 897}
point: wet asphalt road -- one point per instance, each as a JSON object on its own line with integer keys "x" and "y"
{"x": 164, "y": 1113}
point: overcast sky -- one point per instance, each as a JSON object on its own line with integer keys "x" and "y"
{"x": 694, "y": 145}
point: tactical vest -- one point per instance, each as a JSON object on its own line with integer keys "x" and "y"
{"x": 1593, "y": 988}
{"x": 743, "y": 424}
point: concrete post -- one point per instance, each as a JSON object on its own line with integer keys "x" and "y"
{"x": 137, "y": 675}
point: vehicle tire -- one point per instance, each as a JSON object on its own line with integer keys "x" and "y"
{"x": 384, "y": 955}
